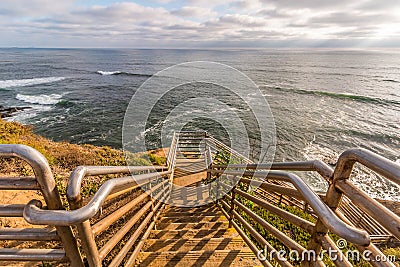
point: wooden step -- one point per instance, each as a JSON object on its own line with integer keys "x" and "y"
{"x": 206, "y": 258}
{"x": 211, "y": 207}
{"x": 193, "y": 244}
{"x": 193, "y": 233}
{"x": 186, "y": 226}
{"x": 192, "y": 213}
{"x": 179, "y": 219}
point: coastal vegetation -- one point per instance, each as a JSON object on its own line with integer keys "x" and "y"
{"x": 63, "y": 157}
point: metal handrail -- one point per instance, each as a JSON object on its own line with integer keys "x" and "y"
{"x": 50, "y": 193}
{"x": 35, "y": 215}
{"x": 377, "y": 163}
{"x": 312, "y": 165}
{"x": 327, "y": 216}
{"x": 380, "y": 165}
{"x": 171, "y": 149}
{"x": 74, "y": 186}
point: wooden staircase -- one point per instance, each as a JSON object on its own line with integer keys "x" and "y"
{"x": 195, "y": 237}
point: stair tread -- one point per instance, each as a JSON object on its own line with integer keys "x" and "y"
{"x": 195, "y": 236}
{"x": 204, "y": 225}
{"x": 194, "y": 244}
{"x": 192, "y": 213}
{"x": 193, "y": 233}
{"x": 197, "y": 219}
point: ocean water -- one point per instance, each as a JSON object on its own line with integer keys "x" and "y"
{"x": 323, "y": 101}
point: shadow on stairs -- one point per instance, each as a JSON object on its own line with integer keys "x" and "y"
{"x": 195, "y": 237}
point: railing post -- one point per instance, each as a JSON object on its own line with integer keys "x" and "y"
{"x": 87, "y": 238}
{"x": 50, "y": 193}
{"x": 332, "y": 200}
{"x": 217, "y": 185}
{"x": 89, "y": 244}
{"x": 151, "y": 196}
{"x": 232, "y": 205}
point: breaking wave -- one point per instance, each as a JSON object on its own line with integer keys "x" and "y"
{"x": 28, "y": 82}
{"x": 106, "y": 73}
{"x": 40, "y": 99}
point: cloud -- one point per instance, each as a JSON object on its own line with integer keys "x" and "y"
{"x": 198, "y": 22}
{"x": 242, "y": 21}
{"x": 351, "y": 18}
{"x": 196, "y": 12}
{"x": 33, "y": 7}
{"x": 311, "y": 4}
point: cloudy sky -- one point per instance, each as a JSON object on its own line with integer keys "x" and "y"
{"x": 200, "y": 23}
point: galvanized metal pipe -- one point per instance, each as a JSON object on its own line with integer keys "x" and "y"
{"x": 35, "y": 215}
{"x": 325, "y": 214}
{"x": 132, "y": 258}
{"x": 11, "y": 210}
{"x": 273, "y": 188}
{"x": 48, "y": 187}
{"x": 89, "y": 244}
{"x": 15, "y": 254}
{"x": 377, "y": 163}
{"x": 117, "y": 214}
{"x": 328, "y": 244}
{"x": 28, "y": 234}
{"x": 300, "y": 222}
{"x": 288, "y": 242}
{"x": 112, "y": 242}
{"x": 77, "y": 176}
{"x": 19, "y": 183}
{"x": 131, "y": 241}
{"x": 383, "y": 215}
{"x": 312, "y": 165}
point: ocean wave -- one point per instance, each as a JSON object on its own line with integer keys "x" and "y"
{"x": 123, "y": 73}
{"x": 40, "y": 99}
{"x": 28, "y": 82}
{"x": 26, "y": 115}
{"x": 342, "y": 96}
{"x": 108, "y": 72}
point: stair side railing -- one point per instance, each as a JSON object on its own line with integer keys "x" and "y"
{"x": 215, "y": 146}
{"x": 44, "y": 182}
{"x": 150, "y": 187}
{"x": 171, "y": 158}
{"x": 339, "y": 187}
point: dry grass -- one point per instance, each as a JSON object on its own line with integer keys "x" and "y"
{"x": 64, "y": 157}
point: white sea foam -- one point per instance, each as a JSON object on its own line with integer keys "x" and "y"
{"x": 27, "y": 82}
{"x": 40, "y": 99}
{"x": 108, "y": 72}
{"x": 25, "y": 115}
{"x": 364, "y": 178}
